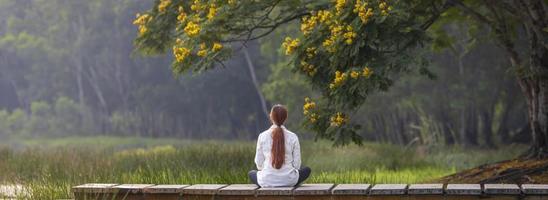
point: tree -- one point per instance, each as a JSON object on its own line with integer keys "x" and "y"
{"x": 348, "y": 49}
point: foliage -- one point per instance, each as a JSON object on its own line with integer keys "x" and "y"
{"x": 343, "y": 65}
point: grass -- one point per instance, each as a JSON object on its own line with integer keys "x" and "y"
{"x": 50, "y": 167}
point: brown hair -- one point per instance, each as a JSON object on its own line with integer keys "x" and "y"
{"x": 278, "y": 114}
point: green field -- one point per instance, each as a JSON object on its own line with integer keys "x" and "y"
{"x": 49, "y": 167}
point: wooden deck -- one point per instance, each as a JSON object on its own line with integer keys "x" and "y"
{"x": 326, "y": 191}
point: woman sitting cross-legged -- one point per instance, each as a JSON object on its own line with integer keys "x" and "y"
{"x": 278, "y": 156}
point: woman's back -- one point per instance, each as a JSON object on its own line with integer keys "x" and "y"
{"x": 287, "y": 174}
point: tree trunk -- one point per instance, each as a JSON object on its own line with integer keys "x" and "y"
{"x": 537, "y": 103}
{"x": 487, "y": 129}
{"x": 251, "y": 68}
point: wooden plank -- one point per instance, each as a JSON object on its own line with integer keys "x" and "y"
{"x": 130, "y": 188}
{"x": 203, "y": 189}
{"x": 351, "y": 189}
{"x": 314, "y": 189}
{"x": 165, "y": 189}
{"x": 463, "y": 189}
{"x": 425, "y": 189}
{"x": 275, "y": 191}
{"x": 93, "y": 187}
{"x": 528, "y": 189}
{"x": 504, "y": 189}
{"x": 239, "y": 189}
{"x": 388, "y": 189}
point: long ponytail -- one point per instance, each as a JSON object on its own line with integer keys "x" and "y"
{"x": 278, "y": 114}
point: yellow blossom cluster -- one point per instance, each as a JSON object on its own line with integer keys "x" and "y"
{"x": 308, "y": 106}
{"x": 290, "y": 45}
{"x": 311, "y": 52}
{"x": 180, "y": 53}
{"x": 308, "y": 24}
{"x": 203, "y": 50}
{"x": 363, "y": 11}
{"x": 367, "y": 72}
{"x": 140, "y": 21}
{"x": 339, "y": 79}
{"x": 324, "y": 16}
{"x": 349, "y": 35}
{"x": 163, "y": 5}
{"x": 354, "y": 74}
{"x": 339, "y": 6}
{"x": 329, "y": 43}
{"x": 217, "y": 47}
{"x": 212, "y": 11}
{"x": 197, "y": 6}
{"x": 192, "y": 29}
{"x": 308, "y": 68}
{"x": 385, "y": 8}
{"x": 337, "y": 31}
{"x": 182, "y": 15}
{"x": 338, "y": 119}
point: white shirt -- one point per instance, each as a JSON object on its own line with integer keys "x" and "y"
{"x": 288, "y": 174}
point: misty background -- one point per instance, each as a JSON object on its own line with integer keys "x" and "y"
{"x": 67, "y": 68}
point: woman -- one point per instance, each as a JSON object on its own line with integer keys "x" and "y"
{"x": 278, "y": 156}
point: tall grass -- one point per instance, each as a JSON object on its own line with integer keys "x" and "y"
{"x": 49, "y": 168}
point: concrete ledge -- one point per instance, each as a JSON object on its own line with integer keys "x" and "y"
{"x": 130, "y": 188}
{"x": 280, "y": 191}
{"x": 463, "y": 189}
{"x": 388, "y": 189}
{"x": 93, "y": 188}
{"x": 351, "y": 189}
{"x": 203, "y": 189}
{"x": 165, "y": 189}
{"x": 314, "y": 189}
{"x": 534, "y": 189}
{"x": 239, "y": 189}
{"x": 326, "y": 191}
{"x": 504, "y": 189}
{"x": 425, "y": 189}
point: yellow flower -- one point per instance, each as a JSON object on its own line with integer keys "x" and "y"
{"x": 217, "y": 47}
{"x": 202, "y": 53}
{"x": 212, "y": 12}
{"x": 328, "y": 44}
{"x": 367, "y": 72}
{"x": 308, "y": 68}
{"x": 339, "y": 79}
{"x": 290, "y": 45}
{"x": 384, "y": 8}
{"x": 324, "y": 16}
{"x": 354, "y": 74}
{"x": 363, "y": 11}
{"x": 350, "y": 35}
{"x": 180, "y": 53}
{"x": 311, "y": 52}
{"x": 140, "y": 21}
{"x": 313, "y": 117}
{"x": 163, "y": 5}
{"x": 308, "y": 105}
{"x": 308, "y": 24}
{"x": 339, "y": 6}
{"x": 192, "y": 29}
{"x": 196, "y": 6}
{"x": 182, "y": 15}
{"x": 338, "y": 119}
